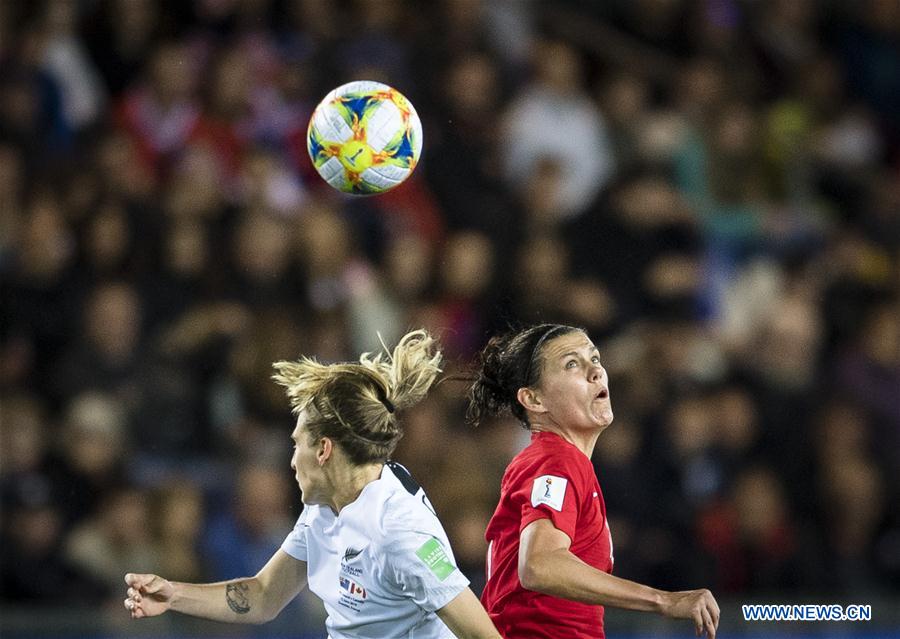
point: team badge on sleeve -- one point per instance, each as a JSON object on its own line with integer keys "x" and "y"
{"x": 549, "y": 490}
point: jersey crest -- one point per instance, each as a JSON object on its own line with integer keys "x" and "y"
{"x": 351, "y": 553}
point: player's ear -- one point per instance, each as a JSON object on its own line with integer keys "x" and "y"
{"x": 530, "y": 400}
{"x": 324, "y": 450}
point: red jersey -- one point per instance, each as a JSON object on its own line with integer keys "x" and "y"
{"x": 551, "y": 479}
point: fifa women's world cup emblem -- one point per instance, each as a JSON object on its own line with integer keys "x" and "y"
{"x": 549, "y": 490}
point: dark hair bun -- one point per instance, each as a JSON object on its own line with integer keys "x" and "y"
{"x": 490, "y": 394}
{"x": 504, "y": 366}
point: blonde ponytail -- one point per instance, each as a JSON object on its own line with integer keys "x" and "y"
{"x": 355, "y": 404}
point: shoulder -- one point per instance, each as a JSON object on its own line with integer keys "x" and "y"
{"x": 311, "y": 513}
{"x": 543, "y": 459}
{"x": 552, "y": 455}
{"x": 401, "y": 506}
{"x": 401, "y": 476}
{"x": 308, "y": 521}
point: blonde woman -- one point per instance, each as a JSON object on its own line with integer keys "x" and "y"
{"x": 368, "y": 542}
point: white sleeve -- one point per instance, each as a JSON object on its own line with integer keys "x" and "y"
{"x": 295, "y": 543}
{"x": 421, "y": 566}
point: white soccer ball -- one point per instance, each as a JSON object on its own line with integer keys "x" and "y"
{"x": 364, "y": 138}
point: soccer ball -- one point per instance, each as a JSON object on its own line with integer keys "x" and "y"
{"x": 364, "y": 138}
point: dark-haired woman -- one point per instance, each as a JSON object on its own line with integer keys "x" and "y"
{"x": 550, "y": 550}
{"x": 368, "y": 542}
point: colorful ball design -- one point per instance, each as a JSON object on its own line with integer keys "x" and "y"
{"x": 364, "y": 138}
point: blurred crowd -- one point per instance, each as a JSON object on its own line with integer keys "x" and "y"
{"x": 710, "y": 187}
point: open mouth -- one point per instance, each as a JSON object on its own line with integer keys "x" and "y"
{"x": 603, "y": 394}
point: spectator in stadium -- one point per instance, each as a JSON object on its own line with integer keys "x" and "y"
{"x": 240, "y": 540}
{"x": 179, "y": 511}
{"x": 396, "y": 571}
{"x": 109, "y": 356}
{"x": 572, "y": 130}
{"x": 550, "y": 554}
{"x": 117, "y": 534}
{"x": 86, "y": 465}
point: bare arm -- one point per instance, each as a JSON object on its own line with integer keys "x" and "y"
{"x": 467, "y": 619}
{"x": 546, "y": 565}
{"x": 249, "y": 600}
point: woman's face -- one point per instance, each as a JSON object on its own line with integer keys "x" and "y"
{"x": 308, "y": 472}
{"x": 574, "y": 388}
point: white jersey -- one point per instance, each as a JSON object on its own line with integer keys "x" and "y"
{"x": 383, "y": 566}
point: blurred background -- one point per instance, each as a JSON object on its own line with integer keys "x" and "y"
{"x": 710, "y": 187}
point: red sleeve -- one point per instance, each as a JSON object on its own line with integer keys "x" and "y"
{"x": 551, "y": 491}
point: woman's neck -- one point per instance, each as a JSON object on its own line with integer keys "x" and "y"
{"x": 581, "y": 439}
{"x": 348, "y": 483}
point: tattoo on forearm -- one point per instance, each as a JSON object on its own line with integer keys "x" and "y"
{"x": 236, "y": 595}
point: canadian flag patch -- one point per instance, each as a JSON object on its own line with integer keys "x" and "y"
{"x": 550, "y": 490}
